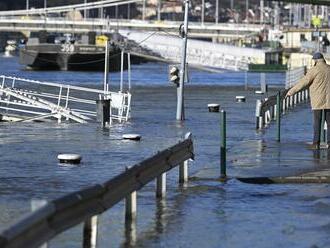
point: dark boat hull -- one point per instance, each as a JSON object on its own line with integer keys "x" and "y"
{"x": 69, "y": 57}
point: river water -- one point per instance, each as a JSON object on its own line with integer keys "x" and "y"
{"x": 204, "y": 214}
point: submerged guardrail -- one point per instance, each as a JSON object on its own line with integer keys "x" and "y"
{"x": 85, "y": 205}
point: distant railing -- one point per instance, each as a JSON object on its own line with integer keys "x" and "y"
{"x": 40, "y": 100}
{"x": 83, "y": 206}
{"x": 266, "y": 109}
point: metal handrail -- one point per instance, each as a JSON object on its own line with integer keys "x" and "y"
{"x": 266, "y": 109}
{"x": 56, "y": 98}
{"x": 70, "y": 210}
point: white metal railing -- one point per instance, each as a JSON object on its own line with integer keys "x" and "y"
{"x": 292, "y": 76}
{"x": 41, "y": 100}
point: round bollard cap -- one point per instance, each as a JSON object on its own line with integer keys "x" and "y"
{"x": 213, "y": 107}
{"x": 240, "y": 98}
{"x": 132, "y": 136}
{"x": 69, "y": 158}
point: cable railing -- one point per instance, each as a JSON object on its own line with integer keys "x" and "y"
{"x": 86, "y": 205}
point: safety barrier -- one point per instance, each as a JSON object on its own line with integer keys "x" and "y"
{"x": 84, "y": 206}
{"x": 266, "y": 110}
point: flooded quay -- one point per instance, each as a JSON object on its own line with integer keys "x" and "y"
{"x": 206, "y": 213}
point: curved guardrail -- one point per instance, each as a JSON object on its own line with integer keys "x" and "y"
{"x": 83, "y": 206}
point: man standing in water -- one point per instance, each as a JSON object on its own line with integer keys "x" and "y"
{"x": 318, "y": 81}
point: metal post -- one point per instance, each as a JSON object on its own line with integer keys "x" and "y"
{"x": 27, "y": 5}
{"x": 203, "y": 12}
{"x": 129, "y": 70}
{"x": 161, "y": 186}
{"x": 130, "y": 207}
{"x": 232, "y": 4}
{"x": 85, "y": 10}
{"x": 278, "y": 116}
{"x": 144, "y": 10}
{"x": 261, "y": 11}
{"x": 217, "y": 11}
{"x": 106, "y": 67}
{"x": 258, "y": 114}
{"x": 246, "y": 80}
{"x": 180, "y": 89}
{"x": 223, "y": 144}
{"x": 183, "y": 168}
{"x": 90, "y": 232}
{"x": 159, "y": 3}
{"x": 247, "y": 11}
{"x": 276, "y": 15}
{"x": 128, "y": 11}
{"x": 122, "y": 70}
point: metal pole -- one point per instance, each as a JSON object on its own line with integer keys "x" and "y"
{"x": 85, "y": 10}
{"x": 278, "y": 116}
{"x": 106, "y": 67}
{"x": 27, "y": 6}
{"x": 203, "y": 12}
{"x": 122, "y": 71}
{"x": 180, "y": 89}
{"x": 247, "y": 11}
{"x": 217, "y": 11}
{"x": 158, "y": 9}
{"x": 128, "y": 11}
{"x": 90, "y": 232}
{"x": 144, "y": 10}
{"x": 232, "y": 4}
{"x": 129, "y": 70}
{"x": 246, "y": 80}
{"x": 223, "y": 144}
{"x": 261, "y": 11}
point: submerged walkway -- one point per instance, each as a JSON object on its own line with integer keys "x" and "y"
{"x": 264, "y": 160}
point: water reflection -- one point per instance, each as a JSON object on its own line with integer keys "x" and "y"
{"x": 130, "y": 233}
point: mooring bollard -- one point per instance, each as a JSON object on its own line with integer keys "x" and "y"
{"x": 103, "y": 111}
{"x": 278, "y": 116}
{"x": 223, "y": 145}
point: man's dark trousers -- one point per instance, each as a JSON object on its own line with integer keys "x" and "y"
{"x": 317, "y": 124}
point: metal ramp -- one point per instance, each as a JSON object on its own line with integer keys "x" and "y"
{"x": 30, "y": 100}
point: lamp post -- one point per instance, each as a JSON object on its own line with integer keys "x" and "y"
{"x": 180, "y": 89}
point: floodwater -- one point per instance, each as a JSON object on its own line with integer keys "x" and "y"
{"x": 206, "y": 213}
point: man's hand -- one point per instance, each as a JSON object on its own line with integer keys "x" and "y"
{"x": 288, "y": 94}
